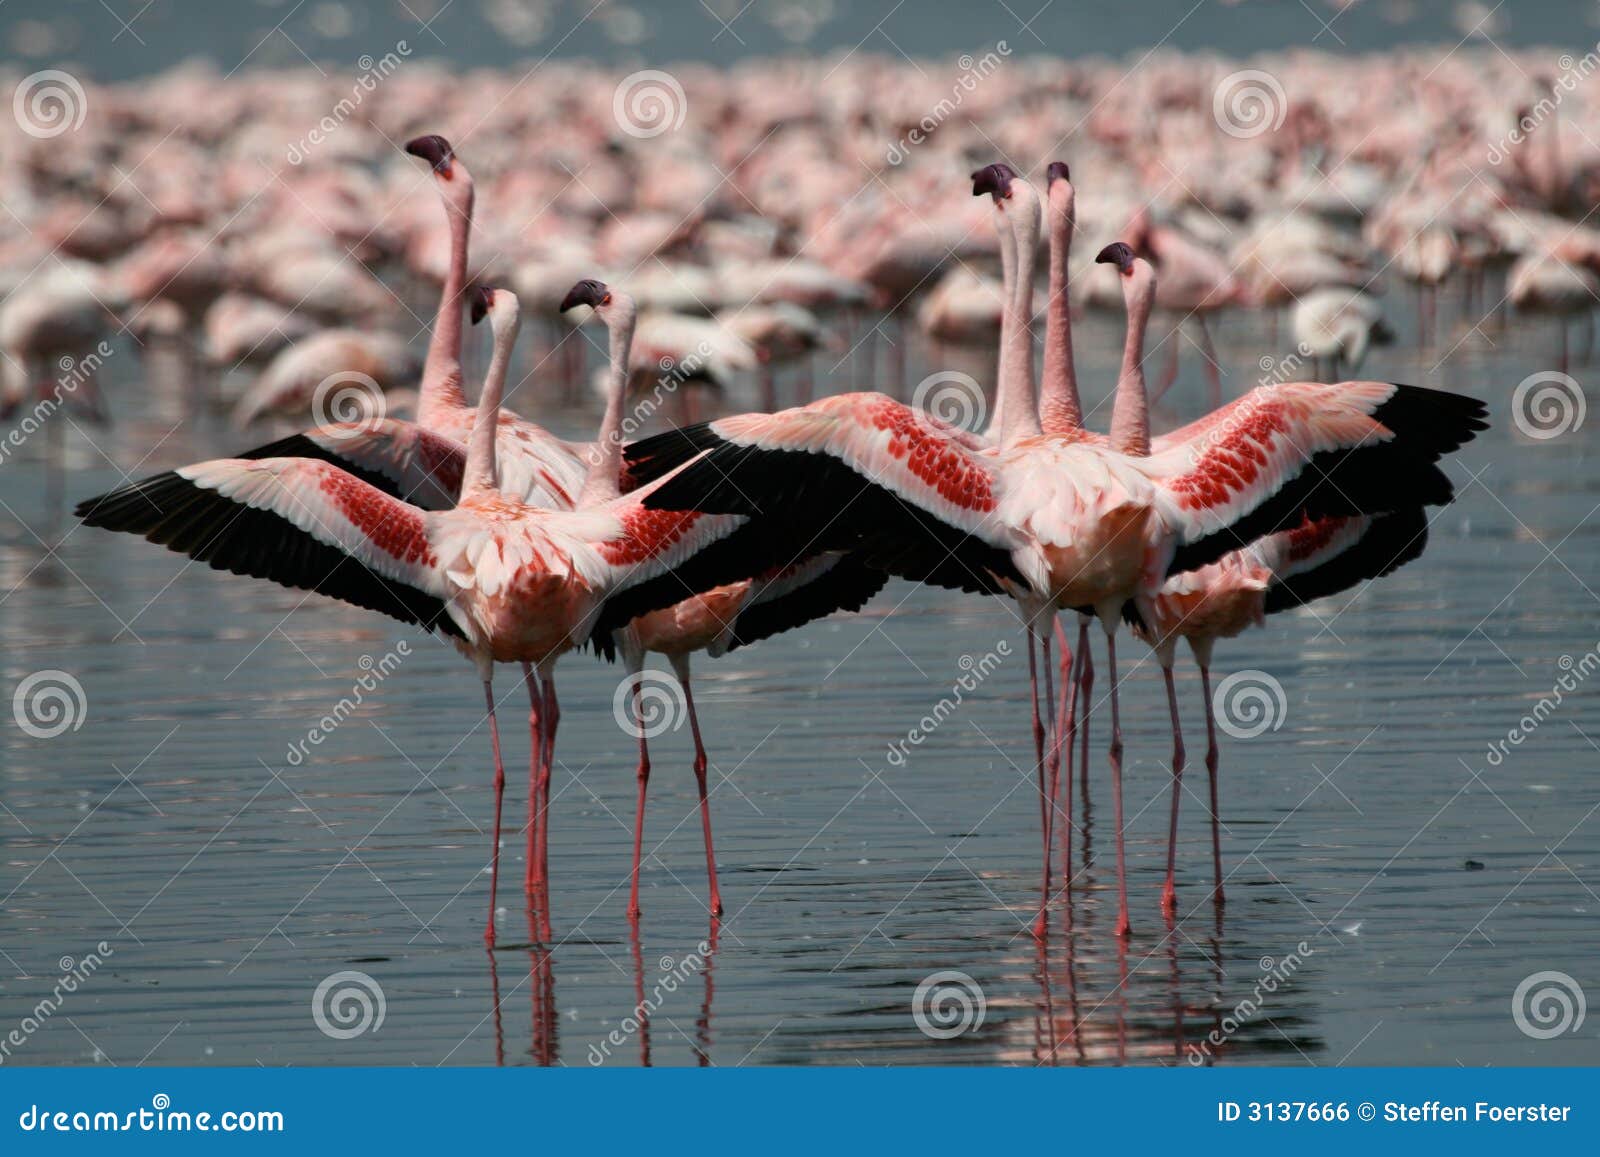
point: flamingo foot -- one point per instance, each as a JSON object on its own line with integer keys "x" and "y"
{"x": 1041, "y": 926}
{"x": 1169, "y": 899}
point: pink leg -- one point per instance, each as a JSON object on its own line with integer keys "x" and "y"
{"x": 1123, "y": 926}
{"x": 643, "y": 775}
{"x": 1211, "y": 769}
{"x": 1085, "y": 698}
{"x": 1169, "y": 894}
{"x": 531, "y": 877}
{"x": 499, "y": 795}
{"x": 1046, "y": 799}
{"x": 552, "y": 717}
{"x": 705, "y": 802}
{"x": 1066, "y": 736}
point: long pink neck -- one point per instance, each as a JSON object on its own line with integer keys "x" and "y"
{"x": 603, "y": 481}
{"x": 1060, "y": 410}
{"x": 1021, "y": 415}
{"x": 1008, "y": 287}
{"x": 1130, "y": 413}
{"x": 441, "y": 393}
{"x": 482, "y": 474}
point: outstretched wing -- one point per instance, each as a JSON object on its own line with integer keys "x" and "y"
{"x": 301, "y": 523}
{"x": 795, "y": 596}
{"x": 1285, "y": 453}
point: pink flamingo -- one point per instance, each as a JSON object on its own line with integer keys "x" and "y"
{"x": 505, "y": 581}
{"x": 1060, "y": 523}
{"x": 1279, "y": 572}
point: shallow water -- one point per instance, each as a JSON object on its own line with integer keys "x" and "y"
{"x": 227, "y": 882}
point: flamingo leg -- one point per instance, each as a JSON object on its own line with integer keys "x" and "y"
{"x": 643, "y": 776}
{"x": 1123, "y": 926}
{"x": 499, "y": 796}
{"x": 1169, "y": 893}
{"x": 1046, "y": 798}
{"x": 532, "y": 878}
{"x": 1211, "y": 769}
{"x": 552, "y": 717}
{"x": 681, "y": 666}
{"x": 1066, "y": 704}
{"x": 1086, "y": 691}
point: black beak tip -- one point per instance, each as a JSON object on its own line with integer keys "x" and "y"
{"x": 587, "y": 292}
{"x": 1056, "y": 171}
{"x": 482, "y": 300}
{"x": 993, "y": 179}
{"x": 1118, "y": 253}
{"x": 432, "y": 148}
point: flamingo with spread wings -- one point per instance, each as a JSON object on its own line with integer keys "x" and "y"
{"x": 1057, "y": 523}
{"x": 506, "y": 582}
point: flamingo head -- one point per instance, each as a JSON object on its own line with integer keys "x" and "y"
{"x": 1120, "y": 254}
{"x": 1062, "y": 196}
{"x": 1056, "y": 171}
{"x": 436, "y": 151}
{"x": 995, "y": 180}
{"x": 482, "y": 303}
{"x": 588, "y": 292}
{"x": 500, "y": 306}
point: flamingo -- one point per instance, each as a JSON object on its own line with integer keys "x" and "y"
{"x": 1338, "y": 325}
{"x": 1053, "y": 522}
{"x": 506, "y": 582}
{"x": 333, "y": 360}
{"x": 1278, "y": 572}
{"x": 1541, "y": 282}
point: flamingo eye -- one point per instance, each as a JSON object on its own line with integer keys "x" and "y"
{"x": 606, "y": 300}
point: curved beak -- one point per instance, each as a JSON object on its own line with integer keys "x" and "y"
{"x": 482, "y": 303}
{"x": 587, "y": 292}
{"x": 993, "y": 179}
{"x": 435, "y": 150}
{"x": 1119, "y": 254}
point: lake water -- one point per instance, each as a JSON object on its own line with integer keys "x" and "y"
{"x": 1396, "y": 883}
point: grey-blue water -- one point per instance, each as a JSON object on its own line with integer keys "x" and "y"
{"x": 1395, "y": 882}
